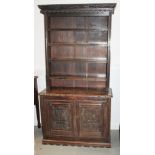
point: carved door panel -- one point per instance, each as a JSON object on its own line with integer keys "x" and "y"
{"x": 90, "y": 120}
{"x": 60, "y": 118}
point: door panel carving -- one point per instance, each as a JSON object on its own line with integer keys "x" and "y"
{"x": 61, "y": 117}
{"x": 90, "y": 120}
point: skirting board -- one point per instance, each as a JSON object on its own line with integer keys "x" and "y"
{"x": 76, "y": 143}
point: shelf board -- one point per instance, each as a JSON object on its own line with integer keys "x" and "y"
{"x": 106, "y": 92}
{"x": 78, "y": 78}
{"x": 82, "y": 44}
{"x": 96, "y": 60}
{"x": 77, "y": 29}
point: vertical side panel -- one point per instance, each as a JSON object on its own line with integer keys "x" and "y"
{"x": 46, "y": 23}
{"x": 108, "y": 56}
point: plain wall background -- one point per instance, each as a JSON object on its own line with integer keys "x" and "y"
{"x": 39, "y": 53}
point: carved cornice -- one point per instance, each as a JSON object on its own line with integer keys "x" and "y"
{"x": 78, "y": 9}
{"x": 77, "y": 12}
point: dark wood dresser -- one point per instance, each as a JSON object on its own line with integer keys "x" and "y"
{"x": 76, "y": 105}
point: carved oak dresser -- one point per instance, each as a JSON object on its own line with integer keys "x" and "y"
{"x": 76, "y": 105}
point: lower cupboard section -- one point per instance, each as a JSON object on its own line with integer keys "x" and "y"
{"x": 71, "y": 122}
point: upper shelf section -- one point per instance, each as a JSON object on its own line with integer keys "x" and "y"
{"x": 78, "y": 23}
{"x": 78, "y": 37}
{"x": 78, "y": 9}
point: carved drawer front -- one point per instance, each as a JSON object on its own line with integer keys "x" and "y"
{"x": 91, "y": 119}
{"x": 60, "y": 118}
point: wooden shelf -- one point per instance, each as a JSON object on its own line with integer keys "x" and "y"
{"x": 75, "y": 44}
{"x": 96, "y": 60}
{"x": 78, "y": 78}
{"x": 76, "y": 29}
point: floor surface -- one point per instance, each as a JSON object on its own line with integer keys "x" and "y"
{"x": 74, "y": 150}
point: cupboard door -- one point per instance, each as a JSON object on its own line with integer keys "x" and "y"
{"x": 90, "y": 120}
{"x": 59, "y": 118}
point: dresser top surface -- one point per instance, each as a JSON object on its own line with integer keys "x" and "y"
{"x": 77, "y": 92}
